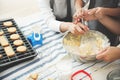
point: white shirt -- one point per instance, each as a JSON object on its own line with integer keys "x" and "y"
{"x": 60, "y": 10}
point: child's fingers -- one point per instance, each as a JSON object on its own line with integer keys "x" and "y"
{"x": 79, "y": 30}
{"x": 83, "y": 27}
{"x": 75, "y": 22}
{"x": 78, "y": 20}
{"x": 74, "y": 17}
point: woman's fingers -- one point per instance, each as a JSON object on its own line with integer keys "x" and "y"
{"x": 92, "y": 11}
{"x": 101, "y": 54}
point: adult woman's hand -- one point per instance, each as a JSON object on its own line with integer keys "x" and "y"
{"x": 109, "y": 54}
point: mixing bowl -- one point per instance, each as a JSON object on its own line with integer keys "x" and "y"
{"x": 85, "y": 47}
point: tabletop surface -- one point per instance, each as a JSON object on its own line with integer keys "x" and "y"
{"x": 51, "y": 55}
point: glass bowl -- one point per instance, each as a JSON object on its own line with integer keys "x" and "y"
{"x": 85, "y": 47}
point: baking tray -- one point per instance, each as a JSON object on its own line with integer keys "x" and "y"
{"x": 19, "y": 57}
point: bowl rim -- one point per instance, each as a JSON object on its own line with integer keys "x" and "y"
{"x": 106, "y": 38}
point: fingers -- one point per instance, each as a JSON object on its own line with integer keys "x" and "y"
{"x": 108, "y": 55}
{"x": 101, "y": 54}
{"x": 92, "y": 11}
{"x": 86, "y": 14}
{"x": 102, "y": 50}
{"x": 77, "y": 16}
{"x": 78, "y": 28}
{"x": 74, "y": 17}
{"x": 83, "y": 27}
{"x": 72, "y": 30}
{"x": 76, "y": 20}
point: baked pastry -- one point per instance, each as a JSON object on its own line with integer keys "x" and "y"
{"x": 14, "y": 36}
{"x": 21, "y": 49}
{"x": 1, "y": 32}
{"x": 8, "y": 23}
{"x": 0, "y": 56}
{"x": 3, "y": 41}
{"x": 11, "y": 30}
{"x": 9, "y": 51}
{"x": 18, "y": 42}
{"x": 50, "y": 79}
{"x": 29, "y": 78}
{"x": 34, "y": 76}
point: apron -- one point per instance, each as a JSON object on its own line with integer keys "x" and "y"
{"x": 96, "y": 25}
{"x": 68, "y": 17}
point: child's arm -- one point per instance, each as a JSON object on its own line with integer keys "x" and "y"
{"x": 78, "y": 4}
{"x": 78, "y": 8}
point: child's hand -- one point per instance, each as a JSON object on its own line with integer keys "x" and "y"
{"x": 109, "y": 54}
{"x": 77, "y": 15}
{"x": 78, "y": 28}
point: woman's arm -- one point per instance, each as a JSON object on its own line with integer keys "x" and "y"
{"x": 115, "y": 12}
{"x": 103, "y": 15}
{"x": 112, "y": 11}
{"x": 112, "y": 24}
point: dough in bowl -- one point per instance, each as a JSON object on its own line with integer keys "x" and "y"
{"x": 92, "y": 42}
{"x": 85, "y": 46}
